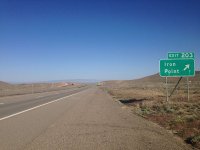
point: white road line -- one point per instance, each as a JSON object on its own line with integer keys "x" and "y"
{"x": 1, "y": 103}
{"x": 37, "y": 106}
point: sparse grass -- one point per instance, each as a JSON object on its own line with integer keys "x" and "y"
{"x": 179, "y": 115}
{"x": 194, "y": 140}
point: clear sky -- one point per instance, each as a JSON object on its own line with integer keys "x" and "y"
{"x": 43, "y": 40}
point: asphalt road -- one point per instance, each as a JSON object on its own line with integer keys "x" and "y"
{"x": 84, "y": 119}
{"x": 12, "y": 105}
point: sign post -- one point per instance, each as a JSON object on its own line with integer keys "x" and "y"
{"x": 178, "y": 64}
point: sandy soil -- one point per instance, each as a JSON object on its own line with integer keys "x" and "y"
{"x": 148, "y": 99}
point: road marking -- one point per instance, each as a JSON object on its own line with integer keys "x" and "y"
{"x": 1, "y": 103}
{"x": 21, "y": 112}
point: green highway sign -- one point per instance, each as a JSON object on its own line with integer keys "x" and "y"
{"x": 180, "y": 55}
{"x": 177, "y": 67}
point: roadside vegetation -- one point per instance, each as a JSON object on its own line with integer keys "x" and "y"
{"x": 178, "y": 115}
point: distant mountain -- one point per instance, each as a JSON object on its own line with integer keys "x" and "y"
{"x": 83, "y": 80}
{"x": 73, "y": 81}
{"x": 59, "y": 81}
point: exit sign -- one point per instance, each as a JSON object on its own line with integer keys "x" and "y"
{"x": 177, "y": 67}
{"x": 180, "y": 55}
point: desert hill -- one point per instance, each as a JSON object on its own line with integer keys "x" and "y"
{"x": 4, "y": 85}
{"x": 156, "y": 79}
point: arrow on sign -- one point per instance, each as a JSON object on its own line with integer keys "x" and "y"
{"x": 186, "y": 67}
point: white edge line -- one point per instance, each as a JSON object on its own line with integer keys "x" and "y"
{"x": 37, "y": 107}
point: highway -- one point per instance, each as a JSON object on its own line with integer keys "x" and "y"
{"x": 80, "y": 119}
{"x": 13, "y": 105}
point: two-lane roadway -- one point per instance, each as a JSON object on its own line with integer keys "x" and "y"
{"x": 11, "y": 106}
{"x": 82, "y": 119}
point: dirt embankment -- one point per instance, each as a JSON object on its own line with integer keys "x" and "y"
{"x": 147, "y": 97}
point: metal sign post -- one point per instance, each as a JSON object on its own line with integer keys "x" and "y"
{"x": 178, "y": 64}
{"x": 176, "y": 86}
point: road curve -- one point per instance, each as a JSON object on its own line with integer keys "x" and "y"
{"x": 89, "y": 120}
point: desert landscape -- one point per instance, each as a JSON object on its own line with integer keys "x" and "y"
{"x": 8, "y": 89}
{"x": 146, "y": 97}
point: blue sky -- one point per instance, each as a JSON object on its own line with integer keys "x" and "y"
{"x": 43, "y": 40}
